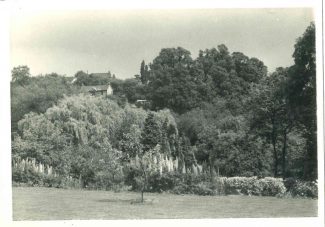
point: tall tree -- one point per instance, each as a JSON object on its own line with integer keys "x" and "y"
{"x": 171, "y": 83}
{"x": 81, "y": 78}
{"x": 271, "y": 116}
{"x": 302, "y": 95}
{"x": 144, "y": 72}
{"x": 20, "y": 75}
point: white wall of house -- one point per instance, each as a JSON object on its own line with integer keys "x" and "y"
{"x": 109, "y": 90}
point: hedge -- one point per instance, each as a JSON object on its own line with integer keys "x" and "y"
{"x": 268, "y": 186}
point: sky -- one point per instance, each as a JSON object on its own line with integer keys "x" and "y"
{"x": 118, "y": 40}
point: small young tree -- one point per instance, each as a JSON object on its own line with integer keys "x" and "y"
{"x": 145, "y": 167}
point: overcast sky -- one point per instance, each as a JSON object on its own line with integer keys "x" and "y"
{"x": 97, "y": 41}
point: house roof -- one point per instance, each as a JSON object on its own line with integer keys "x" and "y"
{"x": 94, "y": 88}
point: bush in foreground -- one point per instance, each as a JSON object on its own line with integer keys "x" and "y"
{"x": 268, "y": 186}
{"x": 299, "y": 188}
{"x": 28, "y": 177}
{"x": 203, "y": 188}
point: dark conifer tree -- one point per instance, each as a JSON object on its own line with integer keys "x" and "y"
{"x": 151, "y": 135}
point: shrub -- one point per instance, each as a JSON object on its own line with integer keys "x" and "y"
{"x": 156, "y": 182}
{"x": 68, "y": 182}
{"x": 174, "y": 182}
{"x": 299, "y": 188}
{"x": 220, "y": 186}
{"x": 18, "y": 175}
{"x": 106, "y": 181}
{"x": 163, "y": 182}
{"x": 130, "y": 178}
{"x": 289, "y": 183}
{"x": 203, "y": 188}
{"x": 52, "y": 181}
{"x": 192, "y": 179}
{"x": 181, "y": 183}
{"x": 253, "y": 186}
{"x": 27, "y": 176}
{"x": 272, "y": 186}
{"x": 181, "y": 189}
{"x": 242, "y": 185}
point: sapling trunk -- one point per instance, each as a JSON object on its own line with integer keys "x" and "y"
{"x": 144, "y": 183}
{"x": 142, "y": 195}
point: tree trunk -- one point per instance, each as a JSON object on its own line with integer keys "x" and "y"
{"x": 144, "y": 183}
{"x": 310, "y": 160}
{"x": 81, "y": 182}
{"x": 218, "y": 181}
{"x": 276, "y": 162}
{"x": 284, "y": 153}
{"x": 212, "y": 172}
{"x": 275, "y": 152}
{"x": 275, "y": 156}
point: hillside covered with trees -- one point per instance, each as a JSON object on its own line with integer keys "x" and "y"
{"x": 221, "y": 114}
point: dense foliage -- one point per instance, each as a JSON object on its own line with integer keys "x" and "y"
{"x": 221, "y": 113}
{"x": 85, "y": 137}
{"x": 35, "y": 94}
{"x": 85, "y": 79}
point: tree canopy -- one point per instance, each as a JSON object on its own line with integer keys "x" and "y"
{"x": 221, "y": 109}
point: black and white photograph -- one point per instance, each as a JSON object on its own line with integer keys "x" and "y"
{"x": 165, "y": 113}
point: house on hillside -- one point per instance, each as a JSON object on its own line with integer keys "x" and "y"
{"x": 98, "y": 89}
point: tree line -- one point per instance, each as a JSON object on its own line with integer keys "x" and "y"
{"x": 225, "y": 110}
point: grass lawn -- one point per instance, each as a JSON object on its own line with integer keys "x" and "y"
{"x": 63, "y": 204}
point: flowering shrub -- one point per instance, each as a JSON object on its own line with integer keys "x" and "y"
{"x": 29, "y": 177}
{"x": 176, "y": 183}
{"x": 272, "y": 186}
{"x": 253, "y": 186}
{"x": 241, "y": 185}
